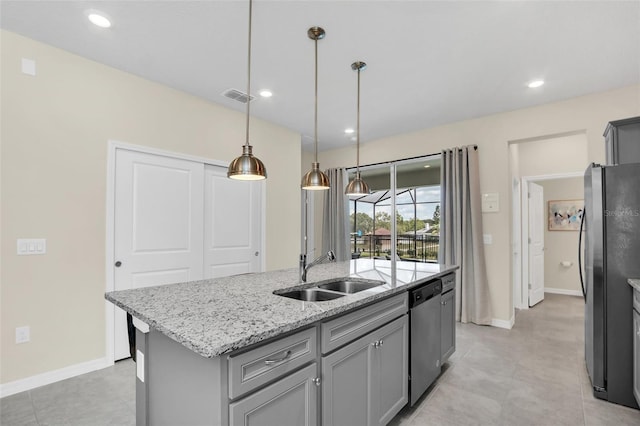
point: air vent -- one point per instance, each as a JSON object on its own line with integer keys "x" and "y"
{"x": 237, "y": 95}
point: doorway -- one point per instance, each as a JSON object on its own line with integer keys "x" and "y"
{"x": 529, "y": 266}
{"x": 174, "y": 218}
{"x": 537, "y": 159}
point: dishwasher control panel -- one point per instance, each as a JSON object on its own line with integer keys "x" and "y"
{"x": 424, "y": 293}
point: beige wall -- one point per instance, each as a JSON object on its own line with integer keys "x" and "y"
{"x": 547, "y": 156}
{"x": 55, "y": 128}
{"x": 561, "y": 245}
{"x": 492, "y": 134}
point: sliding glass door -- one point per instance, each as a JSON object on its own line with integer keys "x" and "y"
{"x": 411, "y": 232}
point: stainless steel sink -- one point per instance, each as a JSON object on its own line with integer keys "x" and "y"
{"x": 349, "y": 286}
{"x": 311, "y": 295}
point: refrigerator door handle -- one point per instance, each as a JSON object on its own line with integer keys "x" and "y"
{"x": 584, "y": 215}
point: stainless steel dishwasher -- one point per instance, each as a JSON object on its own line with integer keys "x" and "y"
{"x": 424, "y": 302}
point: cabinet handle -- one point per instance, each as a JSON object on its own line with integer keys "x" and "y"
{"x": 381, "y": 342}
{"x": 316, "y": 381}
{"x": 375, "y": 344}
{"x": 286, "y": 356}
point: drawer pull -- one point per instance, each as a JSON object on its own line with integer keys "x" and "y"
{"x": 286, "y": 356}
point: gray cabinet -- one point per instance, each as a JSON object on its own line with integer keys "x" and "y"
{"x": 391, "y": 363}
{"x": 622, "y": 141}
{"x": 448, "y": 317}
{"x": 365, "y": 382}
{"x": 636, "y": 355}
{"x": 289, "y": 401}
{"x": 448, "y": 325}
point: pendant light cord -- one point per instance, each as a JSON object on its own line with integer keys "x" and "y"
{"x": 358, "y": 131}
{"x": 315, "y": 120}
{"x": 249, "y": 74}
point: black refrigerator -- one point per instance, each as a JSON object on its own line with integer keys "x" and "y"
{"x": 611, "y": 255}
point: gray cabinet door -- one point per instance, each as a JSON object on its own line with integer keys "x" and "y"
{"x": 290, "y": 401}
{"x": 366, "y": 382}
{"x": 622, "y": 141}
{"x": 346, "y": 376}
{"x": 448, "y": 325}
{"x": 636, "y": 355}
{"x": 391, "y": 363}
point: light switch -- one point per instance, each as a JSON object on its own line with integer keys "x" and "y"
{"x": 32, "y": 246}
{"x": 28, "y": 66}
{"x": 487, "y": 238}
{"x": 490, "y": 202}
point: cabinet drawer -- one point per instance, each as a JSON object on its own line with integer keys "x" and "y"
{"x": 349, "y": 327}
{"x": 448, "y": 282}
{"x": 265, "y": 363}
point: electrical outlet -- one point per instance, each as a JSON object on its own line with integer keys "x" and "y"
{"x": 23, "y": 334}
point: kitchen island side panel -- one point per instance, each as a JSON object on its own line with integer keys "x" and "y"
{"x": 182, "y": 387}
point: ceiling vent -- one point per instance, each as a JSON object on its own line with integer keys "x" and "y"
{"x": 237, "y": 95}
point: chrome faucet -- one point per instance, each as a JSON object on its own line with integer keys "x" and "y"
{"x": 330, "y": 256}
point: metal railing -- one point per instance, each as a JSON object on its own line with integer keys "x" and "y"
{"x": 417, "y": 248}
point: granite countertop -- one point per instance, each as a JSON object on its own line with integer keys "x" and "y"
{"x": 635, "y": 283}
{"x": 216, "y": 316}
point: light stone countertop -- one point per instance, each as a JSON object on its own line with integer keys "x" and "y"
{"x": 217, "y": 316}
{"x": 635, "y": 283}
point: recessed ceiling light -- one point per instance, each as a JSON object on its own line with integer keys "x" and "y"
{"x": 266, "y": 93}
{"x": 349, "y": 131}
{"x": 426, "y": 166}
{"x": 99, "y": 20}
{"x": 535, "y": 83}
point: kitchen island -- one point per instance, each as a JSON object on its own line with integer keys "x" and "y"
{"x": 215, "y": 351}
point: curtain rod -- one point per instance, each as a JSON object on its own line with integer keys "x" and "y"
{"x": 395, "y": 161}
{"x": 475, "y": 148}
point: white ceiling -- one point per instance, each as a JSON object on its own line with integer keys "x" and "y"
{"x": 430, "y": 63}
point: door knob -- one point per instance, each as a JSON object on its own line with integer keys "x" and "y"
{"x": 256, "y": 253}
{"x": 118, "y": 264}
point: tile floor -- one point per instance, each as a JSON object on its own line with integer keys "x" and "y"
{"x": 533, "y": 374}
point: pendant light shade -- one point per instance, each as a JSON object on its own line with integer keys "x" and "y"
{"x": 246, "y": 166}
{"x": 315, "y": 179}
{"x": 357, "y": 186}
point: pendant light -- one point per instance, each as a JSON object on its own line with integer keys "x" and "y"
{"x": 357, "y": 186}
{"x": 246, "y": 166}
{"x": 315, "y": 179}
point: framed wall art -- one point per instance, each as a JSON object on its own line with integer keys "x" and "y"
{"x": 565, "y": 215}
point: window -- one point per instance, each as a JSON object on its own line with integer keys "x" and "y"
{"x": 417, "y": 215}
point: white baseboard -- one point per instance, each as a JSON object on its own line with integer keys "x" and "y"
{"x": 563, "y": 291}
{"x": 503, "y": 323}
{"x": 49, "y": 377}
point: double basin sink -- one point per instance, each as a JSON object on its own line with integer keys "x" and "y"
{"x": 330, "y": 290}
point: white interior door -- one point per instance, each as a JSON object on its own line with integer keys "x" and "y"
{"x": 536, "y": 243}
{"x": 232, "y": 224}
{"x": 158, "y": 226}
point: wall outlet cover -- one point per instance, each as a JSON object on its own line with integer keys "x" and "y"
{"x": 23, "y": 334}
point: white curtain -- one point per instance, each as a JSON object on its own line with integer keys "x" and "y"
{"x": 461, "y": 240}
{"x": 335, "y": 225}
